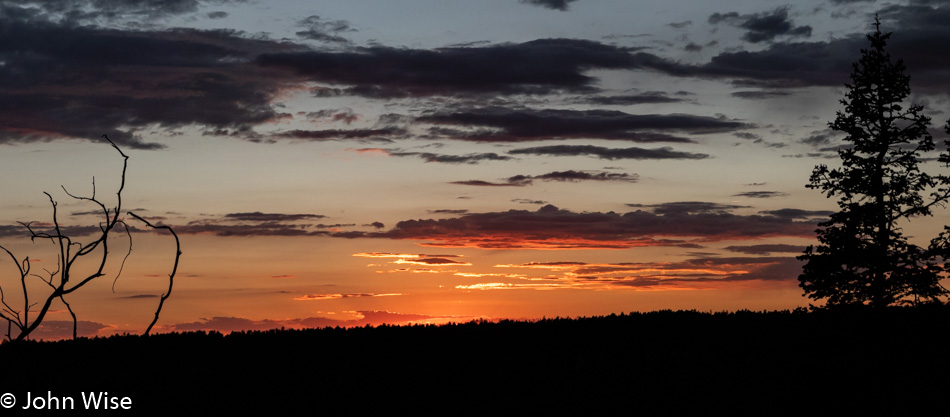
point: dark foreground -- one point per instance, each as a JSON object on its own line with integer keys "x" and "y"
{"x": 660, "y": 363}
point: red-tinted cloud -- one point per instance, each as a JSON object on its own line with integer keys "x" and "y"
{"x": 554, "y": 228}
{"x": 63, "y": 329}
{"x": 704, "y": 272}
{"x": 365, "y": 317}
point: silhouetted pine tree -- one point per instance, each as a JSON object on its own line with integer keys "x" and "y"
{"x": 863, "y": 256}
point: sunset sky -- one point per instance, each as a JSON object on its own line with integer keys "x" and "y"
{"x": 424, "y": 161}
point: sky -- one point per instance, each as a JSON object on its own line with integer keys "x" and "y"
{"x": 335, "y": 163}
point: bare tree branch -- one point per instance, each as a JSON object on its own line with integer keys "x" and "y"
{"x": 61, "y": 281}
{"x": 171, "y": 276}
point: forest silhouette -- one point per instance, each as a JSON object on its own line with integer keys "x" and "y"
{"x": 764, "y": 363}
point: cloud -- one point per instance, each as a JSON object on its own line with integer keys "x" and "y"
{"x": 472, "y": 158}
{"x": 363, "y": 318}
{"x": 705, "y": 272}
{"x": 680, "y": 25}
{"x": 92, "y": 11}
{"x": 562, "y": 176}
{"x": 785, "y": 65}
{"x": 761, "y": 194}
{"x": 319, "y": 29}
{"x": 762, "y": 27}
{"x": 575, "y": 176}
{"x": 448, "y": 211}
{"x": 550, "y": 4}
{"x": 529, "y": 201}
{"x": 47, "y": 228}
{"x": 554, "y": 228}
{"x": 496, "y": 124}
{"x": 538, "y": 67}
{"x": 345, "y": 115}
{"x": 792, "y": 213}
{"x": 765, "y": 249}
{"x": 63, "y": 329}
{"x": 821, "y": 138}
{"x": 508, "y": 286}
{"x": 261, "y": 224}
{"x": 678, "y": 208}
{"x": 401, "y": 255}
{"x": 271, "y": 217}
{"x": 317, "y": 297}
{"x": 695, "y": 273}
{"x": 609, "y": 153}
{"x": 480, "y": 183}
{"x": 431, "y": 262}
{"x": 382, "y": 134}
{"x": 650, "y": 97}
{"x": 63, "y": 80}
{"x": 919, "y": 40}
{"x": 760, "y": 94}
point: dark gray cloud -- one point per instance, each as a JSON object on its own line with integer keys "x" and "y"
{"x": 68, "y": 81}
{"x": 919, "y": 39}
{"x": 786, "y": 65}
{"x": 792, "y": 213}
{"x": 747, "y": 136}
{"x": 472, "y": 158}
{"x": 263, "y": 224}
{"x": 760, "y": 94}
{"x": 345, "y": 115}
{"x": 765, "y": 249}
{"x": 762, "y": 27}
{"x": 821, "y": 138}
{"x": 562, "y": 176}
{"x": 550, "y": 4}
{"x": 529, "y": 201}
{"x": 448, "y": 211}
{"x": 540, "y": 66}
{"x": 551, "y": 227}
{"x": 271, "y": 217}
{"x": 574, "y": 176}
{"x": 496, "y": 124}
{"x": 677, "y": 208}
{"x": 693, "y": 47}
{"x": 47, "y": 228}
{"x": 649, "y": 97}
{"x": 89, "y": 11}
{"x": 319, "y": 29}
{"x": 761, "y": 194}
{"x": 385, "y": 134}
{"x": 680, "y": 25}
{"x": 480, "y": 183}
{"x": 609, "y": 153}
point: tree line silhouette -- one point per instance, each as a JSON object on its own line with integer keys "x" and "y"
{"x": 775, "y": 363}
